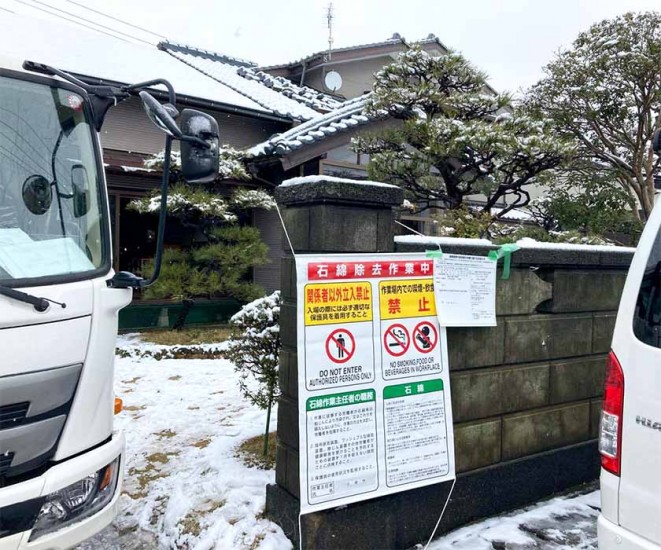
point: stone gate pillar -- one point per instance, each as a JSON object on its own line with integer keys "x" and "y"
{"x": 324, "y": 217}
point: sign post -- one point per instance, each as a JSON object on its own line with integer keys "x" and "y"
{"x": 375, "y": 413}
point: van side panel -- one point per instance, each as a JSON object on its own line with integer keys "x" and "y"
{"x": 638, "y": 348}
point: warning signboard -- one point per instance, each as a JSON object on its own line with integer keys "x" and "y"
{"x": 374, "y": 389}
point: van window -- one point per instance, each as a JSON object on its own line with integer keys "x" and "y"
{"x": 647, "y": 318}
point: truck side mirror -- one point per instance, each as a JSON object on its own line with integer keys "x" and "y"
{"x": 199, "y": 146}
{"x": 161, "y": 115}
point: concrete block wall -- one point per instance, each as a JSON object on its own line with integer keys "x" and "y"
{"x": 534, "y": 382}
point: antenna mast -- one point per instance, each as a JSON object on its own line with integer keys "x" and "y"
{"x": 329, "y": 19}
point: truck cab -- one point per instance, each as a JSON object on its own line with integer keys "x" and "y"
{"x": 60, "y": 460}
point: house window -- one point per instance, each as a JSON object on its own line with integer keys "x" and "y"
{"x": 342, "y": 162}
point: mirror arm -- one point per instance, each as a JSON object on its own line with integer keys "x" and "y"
{"x": 196, "y": 140}
{"x": 162, "y": 216}
{"x": 172, "y": 97}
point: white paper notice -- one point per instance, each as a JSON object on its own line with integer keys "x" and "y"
{"x": 465, "y": 291}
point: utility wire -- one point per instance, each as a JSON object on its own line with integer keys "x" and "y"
{"x": 5, "y": 9}
{"x": 70, "y": 20}
{"x": 116, "y": 19}
{"x": 75, "y": 16}
{"x": 90, "y": 21}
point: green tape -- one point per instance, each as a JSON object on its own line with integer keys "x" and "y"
{"x": 434, "y": 253}
{"x": 505, "y": 252}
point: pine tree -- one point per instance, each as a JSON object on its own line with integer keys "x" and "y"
{"x": 457, "y": 136}
{"x": 221, "y": 265}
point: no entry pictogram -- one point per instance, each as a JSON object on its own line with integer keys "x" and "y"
{"x": 396, "y": 340}
{"x": 340, "y": 346}
{"x": 425, "y": 337}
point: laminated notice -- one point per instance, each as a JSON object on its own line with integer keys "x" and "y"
{"x": 465, "y": 290}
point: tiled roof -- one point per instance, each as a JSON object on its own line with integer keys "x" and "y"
{"x": 303, "y": 94}
{"x": 214, "y": 56}
{"x": 90, "y": 54}
{"x": 392, "y": 41}
{"x": 274, "y": 94}
{"x": 347, "y": 117}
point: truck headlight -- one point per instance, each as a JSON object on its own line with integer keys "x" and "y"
{"x": 77, "y": 501}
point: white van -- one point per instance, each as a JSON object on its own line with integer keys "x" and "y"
{"x": 630, "y": 432}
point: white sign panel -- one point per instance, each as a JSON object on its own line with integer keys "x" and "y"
{"x": 465, "y": 288}
{"x": 375, "y": 413}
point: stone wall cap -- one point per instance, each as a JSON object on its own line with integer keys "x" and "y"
{"x": 329, "y": 189}
{"x": 333, "y": 179}
{"x": 531, "y": 252}
{"x": 451, "y": 241}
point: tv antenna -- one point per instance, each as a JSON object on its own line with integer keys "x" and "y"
{"x": 329, "y": 20}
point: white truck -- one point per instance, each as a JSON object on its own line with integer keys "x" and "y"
{"x": 630, "y": 431}
{"x": 60, "y": 461}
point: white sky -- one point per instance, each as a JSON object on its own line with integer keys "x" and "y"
{"x": 509, "y": 39}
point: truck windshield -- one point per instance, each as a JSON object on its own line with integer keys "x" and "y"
{"x": 51, "y": 221}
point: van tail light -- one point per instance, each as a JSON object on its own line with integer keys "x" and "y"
{"x": 610, "y": 430}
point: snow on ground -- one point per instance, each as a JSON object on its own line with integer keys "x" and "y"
{"x": 183, "y": 487}
{"x": 559, "y": 523}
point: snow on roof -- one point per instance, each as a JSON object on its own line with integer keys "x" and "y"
{"x": 395, "y": 39}
{"x": 303, "y": 94}
{"x": 92, "y": 54}
{"x": 349, "y": 116}
{"x": 227, "y": 74}
{"x": 514, "y": 214}
{"x": 214, "y": 56}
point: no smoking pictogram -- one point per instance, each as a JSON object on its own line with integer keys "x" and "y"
{"x": 340, "y": 346}
{"x": 425, "y": 337}
{"x": 396, "y": 340}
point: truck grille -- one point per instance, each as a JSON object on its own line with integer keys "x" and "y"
{"x": 5, "y": 461}
{"x": 32, "y": 422}
{"x": 11, "y": 415}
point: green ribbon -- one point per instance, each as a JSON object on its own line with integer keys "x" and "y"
{"x": 505, "y": 251}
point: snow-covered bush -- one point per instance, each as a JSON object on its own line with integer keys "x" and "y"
{"x": 230, "y": 163}
{"x": 192, "y": 203}
{"x": 219, "y": 262}
{"x": 254, "y": 348}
